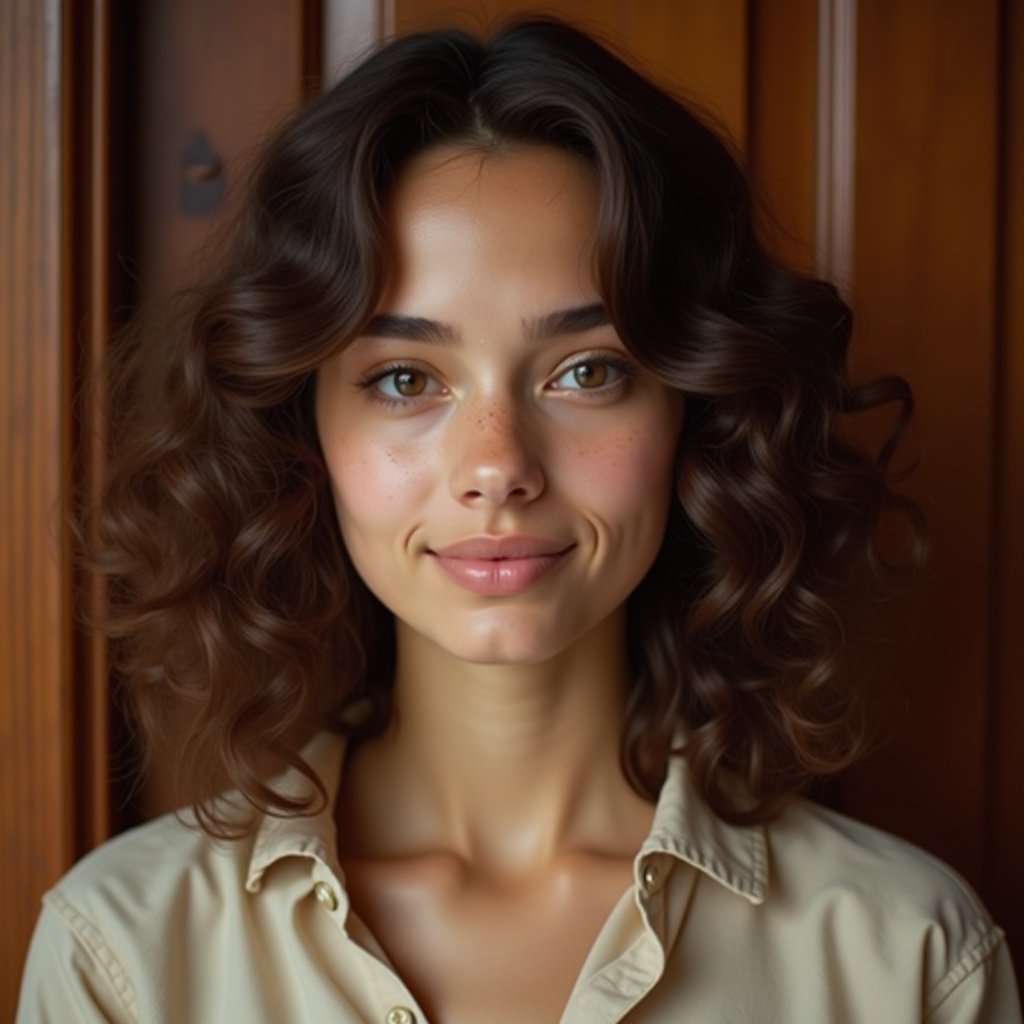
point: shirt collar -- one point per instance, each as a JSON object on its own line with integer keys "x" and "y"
{"x": 310, "y": 835}
{"x": 684, "y": 827}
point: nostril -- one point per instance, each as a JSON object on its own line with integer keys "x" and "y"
{"x": 511, "y": 494}
{"x": 489, "y": 473}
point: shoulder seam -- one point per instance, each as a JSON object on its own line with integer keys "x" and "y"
{"x": 991, "y": 938}
{"x": 90, "y": 937}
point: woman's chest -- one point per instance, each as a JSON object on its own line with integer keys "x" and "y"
{"x": 472, "y": 949}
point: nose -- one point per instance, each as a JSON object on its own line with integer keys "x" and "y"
{"x": 494, "y": 458}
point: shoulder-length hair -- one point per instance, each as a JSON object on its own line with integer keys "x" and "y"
{"x": 239, "y": 621}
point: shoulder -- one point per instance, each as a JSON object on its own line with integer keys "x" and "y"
{"x": 154, "y": 865}
{"x": 880, "y": 895}
{"x": 121, "y": 907}
{"x": 168, "y": 877}
{"x": 129, "y": 896}
{"x": 816, "y": 849}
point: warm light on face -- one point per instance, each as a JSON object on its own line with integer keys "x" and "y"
{"x": 501, "y": 464}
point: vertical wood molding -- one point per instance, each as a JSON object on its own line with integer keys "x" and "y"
{"x": 836, "y": 135}
{"x": 94, "y": 244}
{"x": 351, "y": 29}
{"x": 36, "y": 826}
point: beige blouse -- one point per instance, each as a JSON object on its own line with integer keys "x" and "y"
{"x": 812, "y": 919}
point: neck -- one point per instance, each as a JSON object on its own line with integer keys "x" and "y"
{"x": 503, "y": 765}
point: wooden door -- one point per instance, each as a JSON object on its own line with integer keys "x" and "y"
{"x": 37, "y": 801}
{"x": 100, "y": 108}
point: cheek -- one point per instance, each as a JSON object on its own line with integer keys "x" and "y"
{"x": 630, "y": 468}
{"x": 374, "y": 480}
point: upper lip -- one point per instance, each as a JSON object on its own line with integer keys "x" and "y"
{"x": 496, "y": 548}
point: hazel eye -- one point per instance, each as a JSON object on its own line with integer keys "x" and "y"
{"x": 401, "y": 386}
{"x": 407, "y": 383}
{"x": 402, "y": 382}
{"x": 591, "y": 375}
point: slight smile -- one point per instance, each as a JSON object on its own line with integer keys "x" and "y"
{"x": 499, "y": 566}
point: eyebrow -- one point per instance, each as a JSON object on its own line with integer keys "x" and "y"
{"x": 410, "y": 328}
{"x": 551, "y": 325}
{"x": 567, "y": 321}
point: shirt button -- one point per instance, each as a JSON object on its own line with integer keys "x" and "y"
{"x": 326, "y": 897}
{"x": 651, "y": 878}
{"x": 400, "y": 1015}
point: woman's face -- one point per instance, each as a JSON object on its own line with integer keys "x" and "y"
{"x": 501, "y": 464}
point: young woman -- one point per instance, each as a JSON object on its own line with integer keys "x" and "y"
{"x": 483, "y": 534}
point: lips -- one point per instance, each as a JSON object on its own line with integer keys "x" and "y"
{"x": 505, "y": 547}
{"x": 500, "y": 566}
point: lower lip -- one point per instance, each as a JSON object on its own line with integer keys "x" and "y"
{"x": 493, "y": 577}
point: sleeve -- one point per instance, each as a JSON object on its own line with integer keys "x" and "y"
{"x": 981, "y": 989}
{"x": 71, "y": 974}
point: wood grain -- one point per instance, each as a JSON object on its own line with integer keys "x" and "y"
{"x": 232, "y": 70}
{"x": 924, "y": 289}
{"x": 94, "y": 153}
{"x": 35, "y": 785}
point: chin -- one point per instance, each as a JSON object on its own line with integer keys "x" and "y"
{"x": 509, "y": 637}
{"x": 503, "y": 647}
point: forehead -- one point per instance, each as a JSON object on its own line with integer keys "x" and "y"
{"x": 470, "y": 189}
{"x": 529, "y": 212}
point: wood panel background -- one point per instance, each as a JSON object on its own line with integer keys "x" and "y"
{"x": 37, "y": 807}
{"x": 924, "y": 284}
{"x": 97, "y": 101}
{"x": 886, "y": 144}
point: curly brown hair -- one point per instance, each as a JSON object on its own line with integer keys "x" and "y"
{"x": 237, "y": 615}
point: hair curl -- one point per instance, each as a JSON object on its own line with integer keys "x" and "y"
{"x": 237, "y": 615}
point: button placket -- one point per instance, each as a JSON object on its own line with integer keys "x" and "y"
{"x": 400, "y": 1015}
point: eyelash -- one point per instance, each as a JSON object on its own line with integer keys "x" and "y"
{"x": 368, "y": 383}
{"x": 625, "y": 370}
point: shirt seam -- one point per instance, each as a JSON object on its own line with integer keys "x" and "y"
{"x": 963, "y": 969}
{"x": 91, "y": 939}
